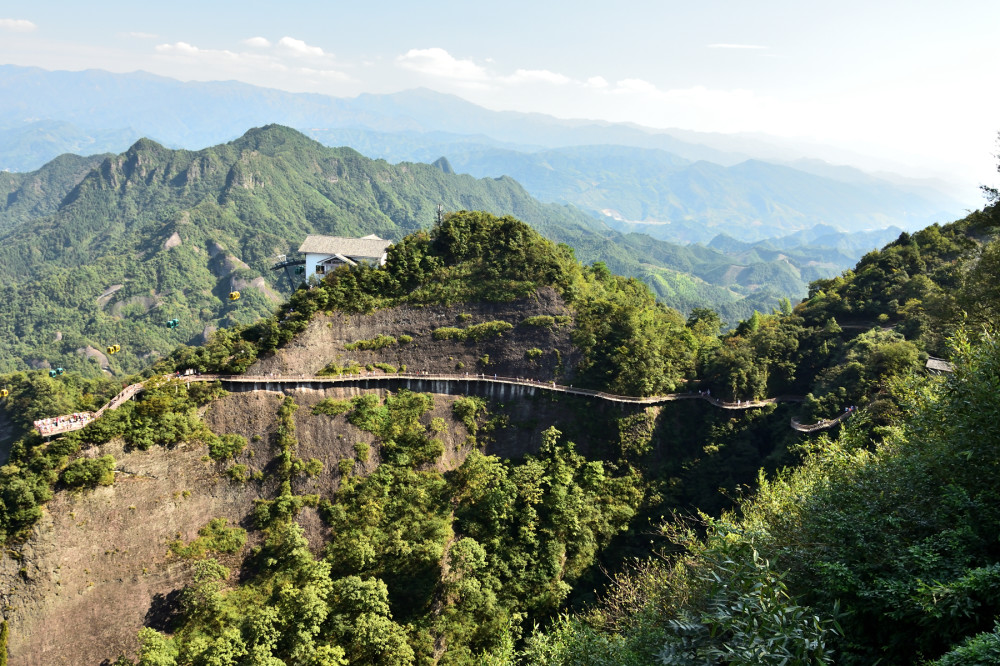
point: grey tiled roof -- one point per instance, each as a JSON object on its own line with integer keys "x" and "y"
{"x": 370, "y": 246}
{"x": 939, "y": 365}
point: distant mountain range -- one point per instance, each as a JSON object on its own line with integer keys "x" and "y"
{"x": 678, "y": 186}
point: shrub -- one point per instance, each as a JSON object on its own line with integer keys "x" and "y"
{"x": 334, "y": 368}
{"x": 361, "y": 450}
{"x": 378, "y": 342}
{"x": 4, "y": 634}
{"x": 448, "y": 333}
{"x": 238, "y": 473}
{"x": 332, "y": 407}
{"x": 547, "y": 321}
{"x": 474, "y": 333}
{"x": 405, "y": 339}
{"x": 386, "y": 367}
{"x": 541, "y": 321}
{"x": 488, "y": 329}
{"x": 467, "y": 411}
{"x": 89, "y": 472}
{"x": 216, "y": 536}
{"x": 533, "y": 354}
{"x": 225, "y": 447}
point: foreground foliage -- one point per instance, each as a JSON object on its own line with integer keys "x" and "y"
{"x": 873, "y": 553}
{"x": 421, "y": 567}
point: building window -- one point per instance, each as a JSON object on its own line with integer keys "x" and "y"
{"x": 320, "y": 269}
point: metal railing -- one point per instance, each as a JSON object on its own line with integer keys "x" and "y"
{"x": 67, "y": 423}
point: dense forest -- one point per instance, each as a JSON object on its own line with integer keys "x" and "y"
{"x": 873, "y": 543}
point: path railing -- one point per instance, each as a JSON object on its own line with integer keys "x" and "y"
{"x": 823, "y": 424}
{"x": 61, "y": 424}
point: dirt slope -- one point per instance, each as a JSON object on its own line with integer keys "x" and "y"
{"x": 325, "y": 339}
{"x": 98, "y": 568}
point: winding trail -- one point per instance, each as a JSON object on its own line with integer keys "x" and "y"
{"x": 62, "y": 424}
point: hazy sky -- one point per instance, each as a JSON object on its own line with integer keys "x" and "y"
{"x": 912, "y": 81}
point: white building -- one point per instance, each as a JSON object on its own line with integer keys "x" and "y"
{"x": 325, "y": 253}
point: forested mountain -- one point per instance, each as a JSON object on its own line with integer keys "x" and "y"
{"x": 880, "y": 547}
{"x": 687, "y": 186}
{"x": 38, "y": 194}
{"x": 156, "y": 234}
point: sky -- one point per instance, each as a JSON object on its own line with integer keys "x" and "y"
{"x": 911, "y": 82}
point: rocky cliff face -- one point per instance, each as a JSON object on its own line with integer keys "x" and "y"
{"x": 326, "y": 340}
{"x": 98, "y": 566}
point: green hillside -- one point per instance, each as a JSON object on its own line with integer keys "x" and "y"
{"x": 876, "y": 542}
{"x": 156, "y": 234}
{"x": 24, "y": 196}
{"x": 881, "y": 546}
{"x": 519, "y": 537}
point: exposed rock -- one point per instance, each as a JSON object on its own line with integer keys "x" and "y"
{"x": 324, "y": 341}
{"x": 146, "y": 302}
{"x": 103, "y": 299}
{"x": 97, "y": 567}
{"x": 173, "y": 241}
{"x": 90, "y": 352}
{"x": 239, "y": 284}
{"x": 224, "y": 264}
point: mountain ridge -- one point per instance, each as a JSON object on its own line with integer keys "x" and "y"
{"x": 181, "y": 229}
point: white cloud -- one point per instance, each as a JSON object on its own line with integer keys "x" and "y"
{"x": 258, "y": 42}
{"x": 279, "y": 67}
{"x": 142, "y": 35}
{"x": 536, "y": 76}
{"x": 439, "y": 63}
{"x": 328, "y": 74}
{"x": 297, "y": 47}
{"x": 636, "y": 86}
{"x": 17, "y": 25}
{"x": 597, "y": 82}
{"x": 183, "y": 48}
{"x": 735, "y": 46}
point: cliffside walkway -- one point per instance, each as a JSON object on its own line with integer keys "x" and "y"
{"x": 820, "y": 425}
{"x": 62, "y": 424}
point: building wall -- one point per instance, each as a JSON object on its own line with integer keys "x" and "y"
{"x": 313, "y": 259}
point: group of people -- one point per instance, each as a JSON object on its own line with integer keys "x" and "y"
{"x": 52, "y": 424}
